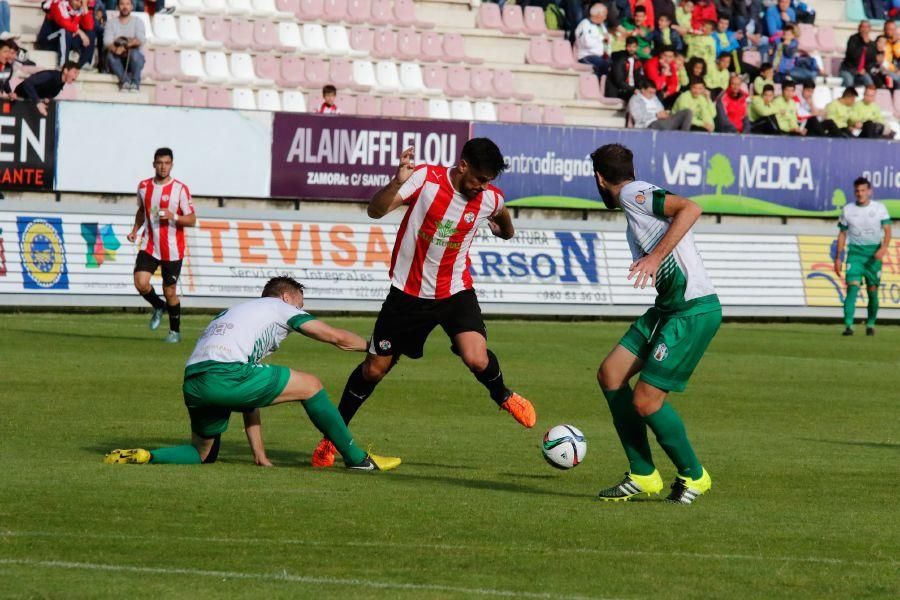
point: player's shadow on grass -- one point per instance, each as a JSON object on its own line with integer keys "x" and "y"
{"x": 482, "y": 484}
{"x": 886, "y": 445}
{"x": 230, "y": 452}
{"x": 95, "y": 336}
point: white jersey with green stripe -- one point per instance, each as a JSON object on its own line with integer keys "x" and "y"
{"x": 681, "y": 283}
{"x": 864, "y": 224}
{"x": 248, "y": 332}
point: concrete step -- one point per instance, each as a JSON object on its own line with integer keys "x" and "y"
{"x": 446, "y": 13}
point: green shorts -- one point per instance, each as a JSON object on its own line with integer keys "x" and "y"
{"x": 213, "y": 390}
{"x": 863, "y": 266}
{"x": 670, "y": 345}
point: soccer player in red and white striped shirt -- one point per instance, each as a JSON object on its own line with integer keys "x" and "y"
{"x": 430, "y": 280}
{"x": 164, "y": 210}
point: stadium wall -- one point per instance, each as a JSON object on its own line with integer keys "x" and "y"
{"x": 52, "y": 255}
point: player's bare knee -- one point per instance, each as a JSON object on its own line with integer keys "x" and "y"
{"x": 171, "y": 294}
{"x": 475, "y": 361}
{"x": 374, "y": 372}
{"x": 872, "y": 288}
{"x": 646, "y": 406}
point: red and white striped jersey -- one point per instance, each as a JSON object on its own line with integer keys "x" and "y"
{"x": 431, "y": 253}
{"x": 164, "y": 240}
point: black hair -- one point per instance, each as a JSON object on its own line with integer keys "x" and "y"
{"x": 788, "y": 83}
{"x": 663, "y": 48}
{"x": 689, "y": 66}
{"x": 70, "y": 64}
{"x": 850, "y": 92}
{"x": 640, "y": 9}
{"x": 646, "y": 83}
{"x": 277, "y": 286}
{"x": 631, "y": 40}
{"x": 160, "y": 152}
{"x": 695, "y": 80}
{"x": 765, "y": 67}
{"x": 862, "y": 181}
{"x": 723, "y": 55}
{"x": 9, "y": 43}
{"x": 809, "y": 84}
{"x": 329, "y": 89}
{"x": 614, "y": 162}
{"x": 483, "y": 155}
{"x": 768, "y": 88}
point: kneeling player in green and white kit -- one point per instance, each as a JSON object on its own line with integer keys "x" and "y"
{"x": 224, "y": 375}
{"x": 667, "y": 342}
{"x": 866, "y": 224}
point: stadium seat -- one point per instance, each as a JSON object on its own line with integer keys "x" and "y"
{"x": 166, "y": 64}
{"x": 438, "y": 108}
{"x": 243, "y": 73}
{"x": 289, "y": 7}
{"x": 337, "y": 40}
{"x": 165, "y": 30}
{"x": 387, "y": 76}
{"x": 292, "y": 72}
{"x": 364, "y": 74}
{"x": 432, "y": 47}
{"x": 361, "y": 40}
{"x": 393, "y": 107}
{"x": 167, "y": 94}
{"x": 409, "y": 44}
{"x": 381, "y": 13}
{"x": 806, "y": 41}
{"x": 553, "y": 115}
{"x": 752, "y": 57}
{"x": 897, "y": 104}
{"x": 340, "y": 73}
{"x": 405, "y": 15}
{"x": 461, "y": 110}
{"x": 384, "y": 43}
{"x": 532, "y": 113}
{"x": 827, "y": 40}
{"x": 411, "y": 81}
{"x": 884, "y": 101}
{"x": 416, "y": 108}
{"x": 268, "y": 100}
{"x": 219, "y": 98}
{"x": 267, "y": 66}
{"x": 434, "y": 77}
{"x": 188, "y": 65}
{"x": 216, "y": 30}
{"x": 458, "y": 82}
{"x": 335, "y": 11}
{"x": 240, "y": 8}
{"x": 293, "y": 101}
{"x": 367, "y": 106}
{"x": 265, "y": 35}
{"x": 540, "y": 52}
{"x": 455, "y": 50}
{"x": 481, "y": 83}
{"x": 485, "y": 111}
{"x": 504, "y": 87}
{"x": 149, "y": 71}
{"x": 289, "y": 39}
{"x": 69, "y": 92}
{"x": 190, "y": 32}
{"x": 604, "y": 99}
{"x": 345, "y": 103}
{"x": 513, "y": 22}
{"x": 534, "y": 22}
{"x": 243, "y": 99}
{"x": 268, "y": 9}
{"x": 588, "y": 87}
{"x": 194, "y": 96}
{"x": 489, "y": 16}
{"x": 358, "y": 11}
{"x": 148, "y": 29}
{"x": 190, "y": 7}
{"x": 241, "y": 35}
{"x": 216, "y": 66}
{"x": 215, "y": 7}
{"x": 314, "y": 39}
{"x": 561, "y": 55}
{"x": 509, "y": 113}
{"x": 311, "y": 10}
{"x": 316, "y": 72}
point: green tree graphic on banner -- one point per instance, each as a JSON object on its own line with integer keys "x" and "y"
{"x": 719, "y": 173}
{"x": 838, "y": 199}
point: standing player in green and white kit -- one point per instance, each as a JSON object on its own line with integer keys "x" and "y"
{"x": 666, "y": 343}
{"x": 224, "y": 374}
{"x": 867, "y": 224}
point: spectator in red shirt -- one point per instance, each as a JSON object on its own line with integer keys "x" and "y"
{"x": 68, "y": 25}
{"x": 328, "y": 107}
{"x": 704, "y": 11}
{"x": 731, "y": 107}
{"x": 660, "y": 69}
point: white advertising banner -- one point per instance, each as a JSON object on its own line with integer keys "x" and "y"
{"x": 109, "y": 148}
{"x": 548, "y": 268}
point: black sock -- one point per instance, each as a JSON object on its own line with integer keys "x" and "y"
{"x": 492, "y": 379}
{"x": 153, "y": 298}
{"x": 175, "y": 317}
{"x": 355, "y": 393}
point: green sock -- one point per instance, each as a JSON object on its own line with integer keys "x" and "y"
{"x": 328, "y": 420}
{"x": 631, "y": 429}
{"x": 671, "y": 435}
{"x": 177, "y": 455}
{"x": 872, "y": 312}
{"x": 850, "y": 304}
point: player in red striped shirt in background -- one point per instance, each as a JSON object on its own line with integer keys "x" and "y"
{"x": 164, "y": 210}
{"x": 430, "y": 280}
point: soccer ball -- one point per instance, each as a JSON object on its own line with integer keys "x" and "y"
{"x": 564, "y": 446}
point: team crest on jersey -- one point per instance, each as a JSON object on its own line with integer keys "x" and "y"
{"x": 384, "y": 345}
{"x": 640, "y": 198}
{"x": 469, "y": 217}
{"x": 660, "y": 353}
{"x": 165, "y": 198}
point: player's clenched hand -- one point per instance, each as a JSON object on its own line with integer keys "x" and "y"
{"x": 837, "y": 267}
{"x": 644, "y": 271}
{"x": 879, "y": 254}
{"x": 495, "y": 229}
{"x": 407, "y": 165}
{"x": 131, "y": 237}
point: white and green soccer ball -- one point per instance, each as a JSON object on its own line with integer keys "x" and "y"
{"x": 564, "y": 446}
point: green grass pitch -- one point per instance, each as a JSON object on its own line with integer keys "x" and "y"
{"x": 798, "y": 426}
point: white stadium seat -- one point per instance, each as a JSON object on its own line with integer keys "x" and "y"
{"x": 485, "y": 111}
{"x": 364, "y": 73}
{"x": 216, "y": 65}
{"x": 243, "y": 99}
{"x": 192, "y": 64}
{"x": 293, "y": 101}
{"x": 268, "y": 100}
{"x": 190, "y": 31}
{"x": 165, "y": 30}
{"x": 243, "y": 73}
{"x": 215, "y": 7}
{"x": 186, "y": 7}
{"x": 267, "y": 8}
{"x": 461, "y": 110}
{"x": 387, "y": 76}
{"x": 314, "y": 39}
{"x": 289, "y": 39}
{"x": 338, "y": 40}
{"x": 148, "y": 30}
{"x": 411, "y": 80}
{"x": 241, "y": 8}
{"x": 438, "y": 108}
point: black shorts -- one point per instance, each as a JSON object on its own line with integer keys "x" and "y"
{"x": 171, "y": 269}
{"x": 405, "y": 321}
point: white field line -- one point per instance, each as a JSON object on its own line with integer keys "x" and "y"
{"x": 457, "y": 547}
{"x": 288, "y": 578}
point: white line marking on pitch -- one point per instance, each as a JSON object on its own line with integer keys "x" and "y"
{"x": 286, "y": 577}
{"x": 456, "y": 547}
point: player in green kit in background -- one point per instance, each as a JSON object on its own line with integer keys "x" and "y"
{"x": 666, "y": 343}
{"x": 224, "y": 375}
{"x": 866, "y": 224}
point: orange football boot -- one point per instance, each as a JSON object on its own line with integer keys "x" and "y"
{"x": 521, "y": 410}
{"x": 323, "y": 456}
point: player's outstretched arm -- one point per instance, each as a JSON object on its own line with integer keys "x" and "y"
{"x": 341, "y": 338}
{"x": 684, "y": 213}
{"x": 501, "y": 224}
{"x": 839, "y": 251}
{"x": 253, "y": 429}
{"x": 388, "y": 198}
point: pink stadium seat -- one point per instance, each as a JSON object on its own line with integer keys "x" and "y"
{"x": 149, "y": 71}
{"x": 405, "y": 15}
{"x": 168, "y": 94}
{"x": 509, "y": 113}
{"x": 316, "y": 72}
{"x": 168, "y": 65}
{"x": 267, "y": 66}
{"x": 381, "y": 13}
{"x": 335, "y": 11}
{"x": 540, "y": 52}
{"x": 241, "y": 35}
{"x": 311, "y": 10}
{"x": 614, "y": 102}
{"x": 897, "y": 103}
{"x": 216, "y": 29}
{"x": 341, "y": 75}
{"x": 884, "y": 101}
{"x": 432, "y": 46}
{"x": 532, "y": 113}
{"x": 534, "y": 23}
{"x": 588, "y": 87}
{"x": 287, "y": 6}
{"x": 489, "y": 16}
{"x": 505, "y": 87}
{"x": 346, "y": 104}
{"x": 69, "y": 92}
{"x": 575, "y": 64}
{"x": 561, "y": 53}
{"x": 553, "y": 115}
{"x": 513, "y": 22}
{"x": 393, "y": 107}
{"x": 457, "y": 82}
{"x": 455, "y": 50}
{"x": 194, "y": 96}
{"x": 752, "y": 57}
{"x": 409, "y": 44}
{"x": 367, "y": 106}
{"x": 265, "y": 36}
{"x": 481, "y": 83}
{"x": 219, "y": 98}
{"x": 384, "y": 44}
{"x": 292, "y": 72}
{"x": 827, "y": 40}
{"x": 416, "y": 108}
{"x": 362, "y": 39}
{"x": 358, "y": 11}
{"x": 807, "y": 41}
{"x": 434, "y": 76}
